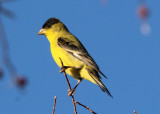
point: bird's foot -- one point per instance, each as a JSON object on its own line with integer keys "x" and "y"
{"x": 63, "y": 68}
{"x": 70, "y": 92}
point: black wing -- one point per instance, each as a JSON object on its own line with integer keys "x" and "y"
{"x": 76, "y": 49}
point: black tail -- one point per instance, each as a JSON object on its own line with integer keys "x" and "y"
{"x": 99, "y": 83}
{"x": 104, "y": 89}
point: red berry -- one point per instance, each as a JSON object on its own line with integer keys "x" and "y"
{"x": 21, "y": 81}
{"x": 143, "y": 12}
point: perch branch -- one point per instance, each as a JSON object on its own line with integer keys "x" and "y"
{"x": 63, "y": 68}
{"x": 75, "y": 110}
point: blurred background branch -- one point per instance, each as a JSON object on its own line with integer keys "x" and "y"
{"x": 17, "y": 79}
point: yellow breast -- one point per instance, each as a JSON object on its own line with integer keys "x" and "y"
{"x": 67, "y": 58}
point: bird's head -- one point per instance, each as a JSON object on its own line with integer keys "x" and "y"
{"x": 52, "y": 25}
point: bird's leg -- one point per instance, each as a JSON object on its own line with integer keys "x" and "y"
{"x": 72, "y": 90}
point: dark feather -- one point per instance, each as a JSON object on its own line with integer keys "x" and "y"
{"x": 79, "y": 52}
{"x": 50, "y": 22}
{"x": 94, "y": 76}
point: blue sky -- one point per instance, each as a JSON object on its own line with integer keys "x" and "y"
{"x": 111, "y": 34}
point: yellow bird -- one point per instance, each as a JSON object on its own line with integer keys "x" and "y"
{"x": 69, "y": 49}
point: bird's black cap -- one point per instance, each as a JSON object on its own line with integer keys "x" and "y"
{"x": 50, "y": 22}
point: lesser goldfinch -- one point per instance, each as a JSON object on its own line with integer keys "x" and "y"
{"x": 69, "y": 49}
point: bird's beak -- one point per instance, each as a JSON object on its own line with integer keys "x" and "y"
{"x": 42, "y": 32}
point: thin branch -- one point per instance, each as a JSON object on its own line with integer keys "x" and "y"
{"x": 85, "y": 107}
{"x": 19, "y": 80}
{"x": 54, "y": 104}
{"x": 5, "y": 47}
{"x": 69, "y": 88}
{"x": 63, "y": 68}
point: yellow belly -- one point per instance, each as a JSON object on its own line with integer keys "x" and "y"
{"x": 68, "y": 60}
{"x": 79, "y": 70}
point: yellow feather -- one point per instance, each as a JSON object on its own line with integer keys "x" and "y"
{"x": 68, "y": 59}
{"x": 71, "y": 55}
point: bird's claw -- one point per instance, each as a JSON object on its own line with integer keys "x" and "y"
{"x": 63, "y": 68}
{"x": 70, "y": 92}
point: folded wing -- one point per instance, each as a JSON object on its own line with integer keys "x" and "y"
{"x": 76, "y": 49}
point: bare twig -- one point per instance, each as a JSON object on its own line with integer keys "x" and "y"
{"x": 74, "y": 102}
{"x": 54, "y": 104}
{"x": 85, "y": 107}
{"x": 69, "y": 88}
